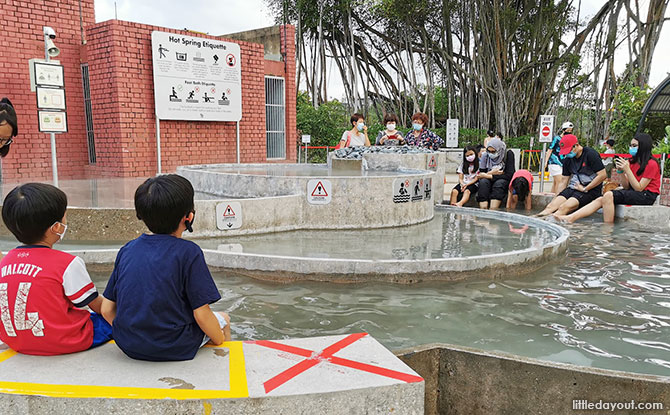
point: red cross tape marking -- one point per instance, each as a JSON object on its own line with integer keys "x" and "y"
{"x": 314, "y": 358}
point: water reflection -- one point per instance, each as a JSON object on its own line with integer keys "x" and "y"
{"x": 447, "y": 235}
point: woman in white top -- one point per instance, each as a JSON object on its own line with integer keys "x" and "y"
{"x": 358, "y": 135}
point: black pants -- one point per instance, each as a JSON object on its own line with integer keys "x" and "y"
{"x": 495, "y": 189}
{"x": 632, "y": 197}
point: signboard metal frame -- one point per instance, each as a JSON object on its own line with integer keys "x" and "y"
{"x": 43, "y": 129}
{"x": 40, "y": 106}
{"x": 47, "y": 66}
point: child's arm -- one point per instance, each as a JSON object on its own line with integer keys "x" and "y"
{"x": 509, "y": 199}
{"x": 529, "y": 202}
{"x": 208, "y": 323}
{"x": 108, "y": 310}
{"x": 95, "y": 304}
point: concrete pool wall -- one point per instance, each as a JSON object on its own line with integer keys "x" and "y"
{"x": 284, "y": 268}
{"x": 462, "y": 380}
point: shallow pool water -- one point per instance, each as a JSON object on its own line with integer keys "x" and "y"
{"x": 447, "y": 235}
{"x": 607, "y": 305}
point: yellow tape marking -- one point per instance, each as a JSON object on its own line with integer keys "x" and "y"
{"x": 237, "y": 375}
{"x": 6, "y": 355}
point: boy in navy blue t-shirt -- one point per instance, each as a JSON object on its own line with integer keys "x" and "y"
{"x": 159, "y": 293}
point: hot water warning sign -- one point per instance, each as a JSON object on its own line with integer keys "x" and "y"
{"x": 319, "y": 192}
{"x": 228, "y": 215}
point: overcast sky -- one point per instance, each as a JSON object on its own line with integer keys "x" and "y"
{"x": 219, "y": 17}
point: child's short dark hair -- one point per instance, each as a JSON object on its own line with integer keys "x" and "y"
{"x": 610, "y": 142}
{"x": 521, "y": 187}
{"x": 162, "y": 201}
{"x": 30, "y": 209}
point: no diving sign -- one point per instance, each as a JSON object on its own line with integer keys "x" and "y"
{"x": 228, "y": 215}
{"x": 319, "y": 191}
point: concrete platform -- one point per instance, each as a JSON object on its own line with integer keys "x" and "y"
{"x": 336, "y": 375}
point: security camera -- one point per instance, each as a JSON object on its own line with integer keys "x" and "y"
{"x": 49, "y": 31}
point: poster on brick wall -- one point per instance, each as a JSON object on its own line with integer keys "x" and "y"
{"x": 196, "y": 79}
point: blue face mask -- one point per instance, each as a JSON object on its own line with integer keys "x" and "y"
{"x": 360, "y": 126}
{"x": 570, "y": 155}
{"x": 632, "y": 151}
{"x": 417, "y": 127}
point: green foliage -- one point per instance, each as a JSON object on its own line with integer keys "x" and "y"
{"x": 325, "y": 124}
{"x": 628, "y": 104}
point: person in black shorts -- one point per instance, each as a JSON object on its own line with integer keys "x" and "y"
{"x": 581, "y": 182}
{"x": 641, "y": 182}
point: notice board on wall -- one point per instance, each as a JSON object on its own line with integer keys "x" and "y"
{"x": 196, "y": 79}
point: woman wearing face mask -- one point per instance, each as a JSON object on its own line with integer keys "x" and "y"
{"x": 641, "y": 181}
{"x": 390, "y": 136}
{"x": 8, "y": 126}
{"x": 358, "y": 135}
{"x": 420, "y": 136}
{"x": 496, "y": 171}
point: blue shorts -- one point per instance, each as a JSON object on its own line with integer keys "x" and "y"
{"x": 102, "y": 331}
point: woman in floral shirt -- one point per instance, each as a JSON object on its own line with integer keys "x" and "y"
{"x": 421, "y": 136}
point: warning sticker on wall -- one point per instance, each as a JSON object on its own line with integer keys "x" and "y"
{"x": 401, "y": 190}
{"x": 432, "y": 162}
{"x": 417, "y": 190}
{"x": 319, "y": 191}
{"x": 228, "y": 215}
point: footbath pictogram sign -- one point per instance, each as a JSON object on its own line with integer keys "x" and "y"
{"x": 340, "y": 370}
{"x": 319, "y": 191}
{"x": 228, "y": 215}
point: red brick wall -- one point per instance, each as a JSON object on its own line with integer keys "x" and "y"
{"x": 120, "y": 63}
{"x": 121, "y": 78}
{"x": 21, "y": 23}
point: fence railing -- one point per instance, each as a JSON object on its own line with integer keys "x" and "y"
{"x": 313, "y": 156}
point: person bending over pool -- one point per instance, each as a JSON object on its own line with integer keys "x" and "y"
{"x": 43, "y": 291}
{"x": 582, "y": 178}
{"x": 641, "y": 183}
{"x": 496, "y": 171}
{"x": 520, "y": 189}
{"x": 159, "y": 293}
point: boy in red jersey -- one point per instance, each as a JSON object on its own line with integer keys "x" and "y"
{"x": 42, "y": 290}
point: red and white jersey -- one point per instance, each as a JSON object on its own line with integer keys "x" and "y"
{"x": 40, "y": 292}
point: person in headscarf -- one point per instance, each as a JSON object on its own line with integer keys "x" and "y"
{"x": 496, "y": 171}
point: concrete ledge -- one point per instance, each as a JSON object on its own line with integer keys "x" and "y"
{"x": 283, "y": 268}
{"x": 335, "y": 375}
{"x": 462, "y": 380}
{"x": 656, "y": 215}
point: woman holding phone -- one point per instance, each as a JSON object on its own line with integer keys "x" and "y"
{"x": 641, "y": 182}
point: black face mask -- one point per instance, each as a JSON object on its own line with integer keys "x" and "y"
{"x": 189, "y": 224}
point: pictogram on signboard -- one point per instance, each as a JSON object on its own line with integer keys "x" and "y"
{"x": 319, "y": 191}
{"x": 546, "y": 126}
{"x": 228, "y": 215}
{"x": 401, "y": 191}
{"x": 417, "y": 190}
{"x": 432, "y": 162}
